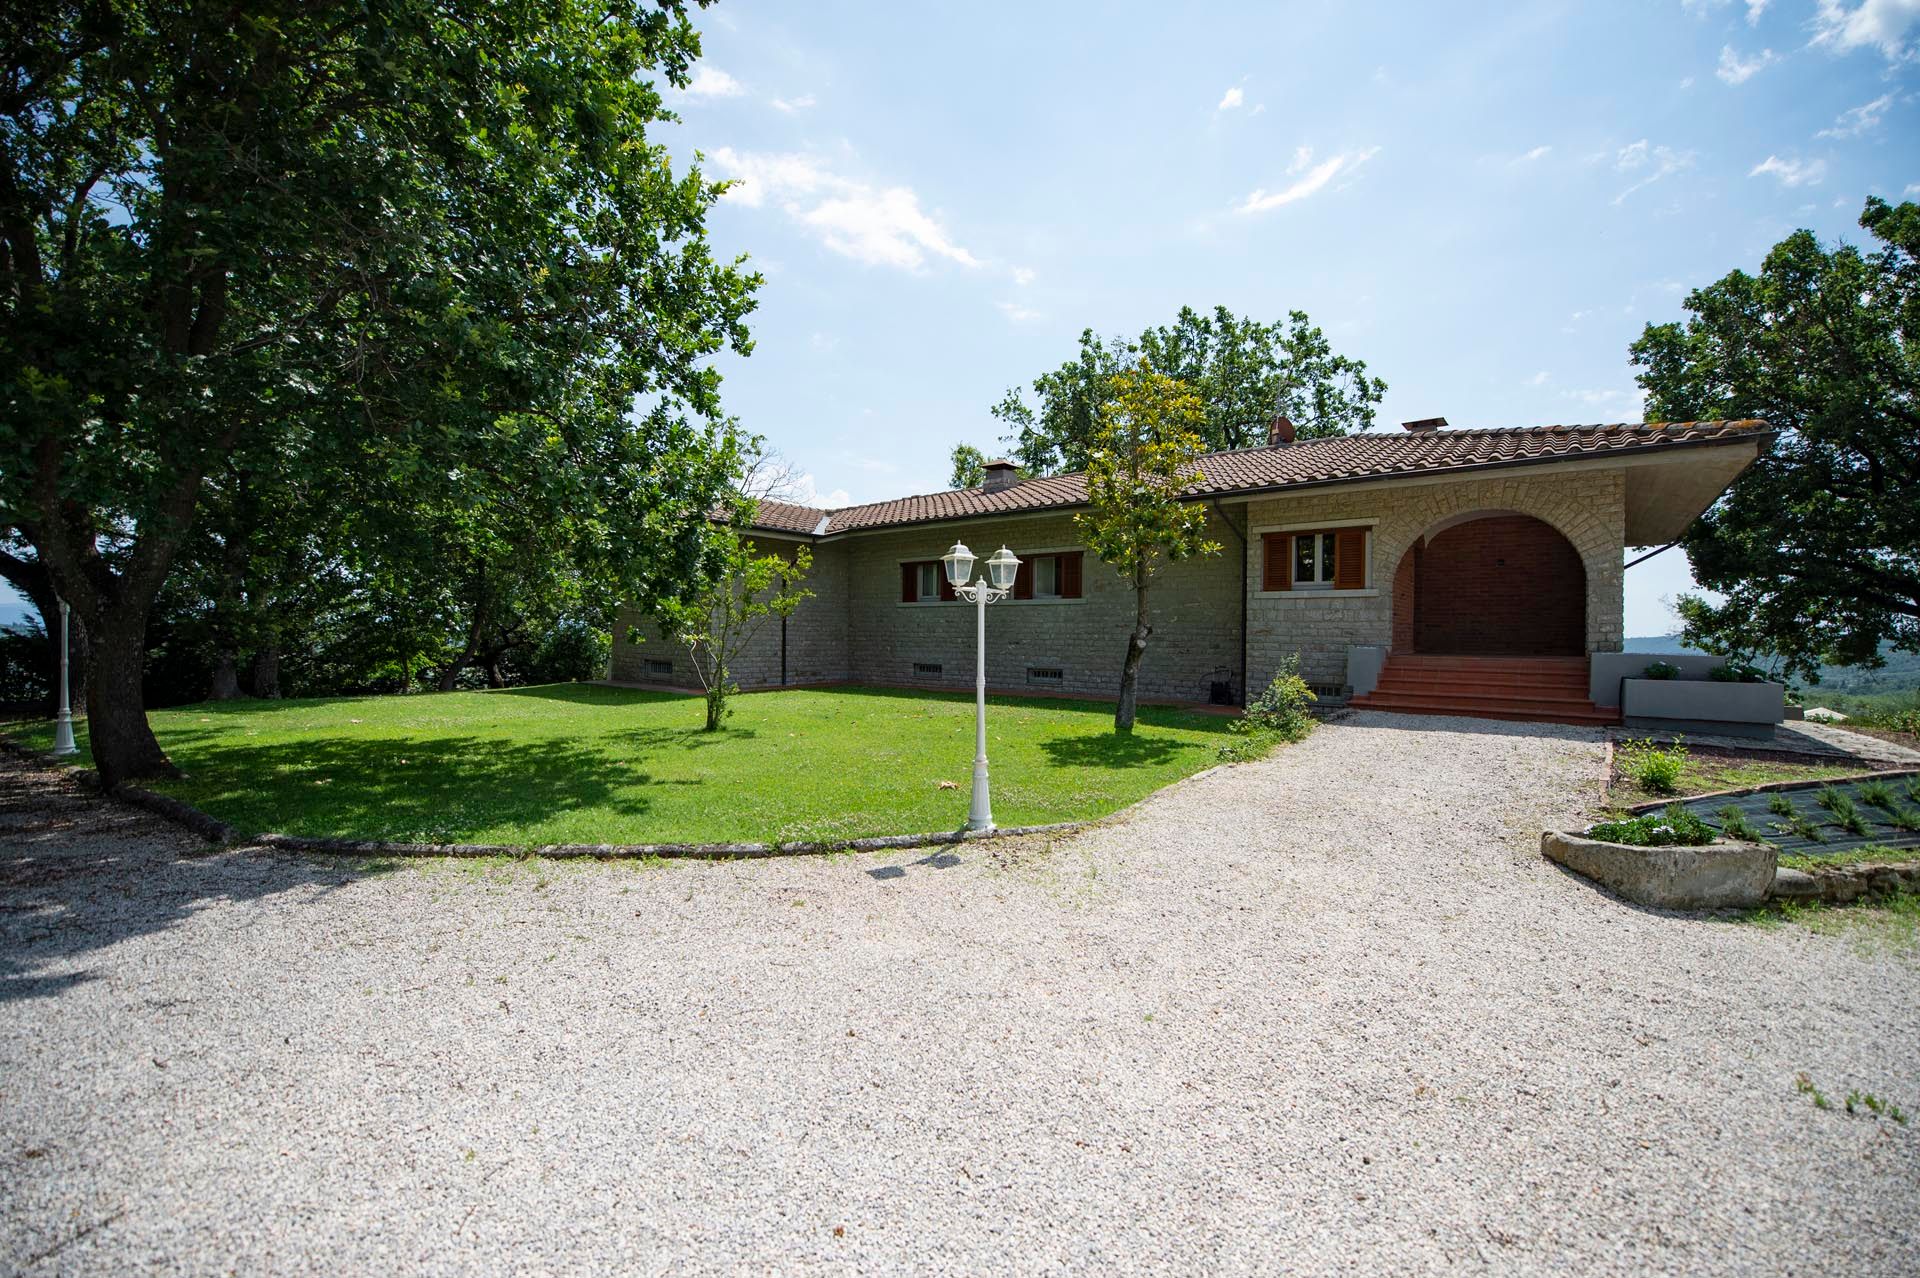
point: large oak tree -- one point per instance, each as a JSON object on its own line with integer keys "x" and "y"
{"x": 415, "y": 253}
{"x": 1816, "y": 547}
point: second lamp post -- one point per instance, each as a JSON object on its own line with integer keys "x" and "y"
{"x": 995, "y": 586}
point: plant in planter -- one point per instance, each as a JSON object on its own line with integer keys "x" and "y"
{"x": 1672, "y": 827}
{"x": 1660, "y": 670}
{"x": 1734, "y": 824}
{"x": 1736, "y": 672}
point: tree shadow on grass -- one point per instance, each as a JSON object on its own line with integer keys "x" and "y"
{"x": 1114, "y": 750}
{"x": 425, "y": 789}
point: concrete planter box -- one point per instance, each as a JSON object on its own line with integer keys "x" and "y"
{"x": 1703, "y": 705}
{"x": 1714, "y": 876}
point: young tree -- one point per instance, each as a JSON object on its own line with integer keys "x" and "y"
{"x": 1141, "y": 462}
{"x": 1817, "y": 545}
{"x": 1242, "y": 370}
{"x": 402, "y": 248}
{"x": 738, "y": 592}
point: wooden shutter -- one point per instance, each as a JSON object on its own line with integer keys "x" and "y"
{"x": 909, "y": 583}
{"x": 1070, "y": 575}
{"x": 1023, "y": 579}
{"x": 1350, "y": 559}
{"x": 946, "y": 587}
{"x": 1276, "y": 570}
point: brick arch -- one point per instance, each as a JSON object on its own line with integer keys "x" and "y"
{"x": 1492, "y": 582}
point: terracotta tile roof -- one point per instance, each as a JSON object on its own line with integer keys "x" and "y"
{"x": 1342, "y": 459}
{"x": 782, "y": 516}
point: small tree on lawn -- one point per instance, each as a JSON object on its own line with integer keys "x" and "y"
{"x": 1143, "y": 457}
{"x": 738, "y": 594}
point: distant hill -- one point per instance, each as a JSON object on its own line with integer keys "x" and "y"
{"x": 15, "y": 615}
{"x": 1900, "y": 674}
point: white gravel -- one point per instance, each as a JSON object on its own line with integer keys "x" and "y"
{"x": 1326, "y": 1013}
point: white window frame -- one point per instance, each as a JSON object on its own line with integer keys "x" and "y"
{"x": 926, "y": 574}
{"x": 1055, "y": 599}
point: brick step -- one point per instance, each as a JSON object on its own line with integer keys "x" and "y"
{"x": 1440, "y": 681}
{"x": 1491, "y": 709}
{"x": 1514, "y": 665}
{"x": 1514, "y": 701}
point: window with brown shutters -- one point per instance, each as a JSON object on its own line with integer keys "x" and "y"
{"x": 1050, "y": 575}
{"x": 1316, "y": 559}
{"x": 1070, "y": 575}
{"x": 1023, "y": 579}
{"x": 922, "y": 575}
{"x": 909, "y": 583}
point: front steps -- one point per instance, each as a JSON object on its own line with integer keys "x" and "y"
{"x": 1528, "y": 689}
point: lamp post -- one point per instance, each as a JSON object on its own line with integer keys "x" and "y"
{"x": 995, "y": 586}
{"x": 63, "y": 722}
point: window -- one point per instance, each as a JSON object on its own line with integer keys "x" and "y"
{"x": 1329, "y": 559}
{"x": 1049, "y": 575}
{"x": 924, "y": 581}
{"x": 656, "y": 666}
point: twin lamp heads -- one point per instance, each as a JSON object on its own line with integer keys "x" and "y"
{"x": 1001, "y": 566}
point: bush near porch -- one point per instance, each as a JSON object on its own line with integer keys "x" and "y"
{"x": 579, "y": 763}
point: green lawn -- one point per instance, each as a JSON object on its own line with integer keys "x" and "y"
{"x": 576, "y": 763}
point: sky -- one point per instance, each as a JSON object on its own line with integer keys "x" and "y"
{"x": 1484, "y": 203}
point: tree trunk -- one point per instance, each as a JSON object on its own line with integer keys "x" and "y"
{"x": 716, "y": 708}
{"x": 225, "y": 684}
{"x": 1129, "y": 704}
{"x": 121, "y": 740}
{"x": 496, "y": 678}
{"x": 266, "y": 673}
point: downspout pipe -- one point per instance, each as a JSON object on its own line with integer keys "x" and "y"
{"x": 1221, "y": 514}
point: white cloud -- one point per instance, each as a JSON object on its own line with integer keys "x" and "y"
{"x": 1754, "y": 9}
{"x": 1017, "y": 313}
{"x": 1540, "y": 378}
{"x": 1311, "y": 181}
{"x": 1625, "y": 403}
{"x": 1882, "y": 24}
{"x": 1538, "y": 153}
{"x": 790, "y": 105}
{"x": 1790, "y": 172}
{"x": 878, "y": 226}
{"x": 1231, "y": 99}
{"x": 1022, "y": 276}
{"x": 1913, "y": 189}
{"x": 1737, "y": 70}
{"x": 1652, "y": 162}
{"x": 712, "y": 82}
{"x": 1861, "y": 119}
{"x": 806, "y": 492}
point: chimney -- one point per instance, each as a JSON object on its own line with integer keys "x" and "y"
{"x": 1000, "y": 475}
{"x": 1424, "y": 424}
{"x": 1279, "y": 431}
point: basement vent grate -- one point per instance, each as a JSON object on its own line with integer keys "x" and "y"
{"x": 928, "y": 668}
{"x": 1045, "y": 674}
{"x": 655, "y": 666}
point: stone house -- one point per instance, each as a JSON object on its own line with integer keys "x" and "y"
{"x": 1427, "y": 569}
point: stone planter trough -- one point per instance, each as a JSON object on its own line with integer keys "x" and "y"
{"x": 1714, "y": 876}
{"x": 1703, "y": 705}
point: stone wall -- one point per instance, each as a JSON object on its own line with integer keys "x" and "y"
{"x": 815, "y": 639}
{"x": 1587, "y": 507}
{"x": 1196, "y": 617}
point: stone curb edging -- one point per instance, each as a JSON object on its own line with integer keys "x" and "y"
{"x": 1769, "y": 787}
{"x": 1842, "y": 883}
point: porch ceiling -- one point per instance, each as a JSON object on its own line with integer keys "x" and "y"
{"x": 1666, "y": 493}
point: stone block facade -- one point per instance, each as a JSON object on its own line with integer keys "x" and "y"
{"x": 856, "y": 627}
{"x": 1588, "y": 507}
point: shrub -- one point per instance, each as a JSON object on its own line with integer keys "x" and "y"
{"x": 1734, "y": 824}
{"x": 1654, "y": 768}
{"x": 1673, "y": 827}
{"x": 1278, "y": 714}
{"x": 1878, "y": 793}
{"x": 1735, "y": 672}
{"x": 1780, "y": 805}
{"x": 1661, "y": 670}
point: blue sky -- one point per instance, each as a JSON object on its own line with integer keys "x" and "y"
{"x": 1484, "y": 208}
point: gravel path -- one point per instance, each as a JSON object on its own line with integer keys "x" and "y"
{"x": 1326, "y": 1013}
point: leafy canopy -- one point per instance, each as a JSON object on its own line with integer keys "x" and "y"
{"x": 1143, "y": 458}
{"x": 1817, "y": 545}
{"x": 1243, "y": 372}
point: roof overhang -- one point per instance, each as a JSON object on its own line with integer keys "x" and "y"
{"x": 1668, "y": 491}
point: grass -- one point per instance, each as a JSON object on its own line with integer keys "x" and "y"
{"x": 578, "y": 763}
{"x": 1889, "y": 922}
{"x": 1872, "y": 854}
{"x": 1710, "y": 774}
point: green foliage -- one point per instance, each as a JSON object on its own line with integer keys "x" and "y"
{"x": 1736, "y": 672}
{"x": 1655, "y": 768}
{"x": 738, "y": 591}
{"x": 969, "y": 467}
{"x": 1858, "y": 1100}
{"x": 1142, "y": 460}
{"x": 1242, "y": 370}
{"x": 416, "y": 273}
{"x": 1673, "y": 827}
{"x": 1279, "y": 714}
{"x": 1734, "y": 824}
{"x": 1816, "y": 548}
{"x": 1779, "y": 804}
{"x": 1804, "y": 1084}
{"x": 1661, "y": 670}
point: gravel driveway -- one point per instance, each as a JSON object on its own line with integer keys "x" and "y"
{"x": 1329, "y": 1012}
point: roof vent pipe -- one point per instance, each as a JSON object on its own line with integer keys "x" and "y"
{"x": 999, "y": 475}
{"x": 1424, "y": 424}
{"x": 1279, "y": 431}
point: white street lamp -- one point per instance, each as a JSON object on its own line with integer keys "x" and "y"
{"x": 995, "y": 586}
{"x": 63, "y": 722}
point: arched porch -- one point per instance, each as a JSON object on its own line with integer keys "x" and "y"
{"x": 1494, "y": 583}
